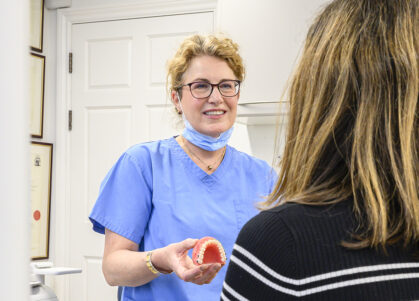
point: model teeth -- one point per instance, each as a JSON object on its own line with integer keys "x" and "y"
{"x": 214, "y": 112}
{"x": 201, "y": 253}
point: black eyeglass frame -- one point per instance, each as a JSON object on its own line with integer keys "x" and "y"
{"x": 212, "y": 87}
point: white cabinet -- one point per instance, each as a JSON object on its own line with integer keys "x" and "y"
{"x": 260, "y": 129}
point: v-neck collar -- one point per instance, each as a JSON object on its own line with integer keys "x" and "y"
{"x": 190, "y": 165}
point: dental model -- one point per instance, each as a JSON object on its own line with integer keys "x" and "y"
{"x": 208, "y": 250}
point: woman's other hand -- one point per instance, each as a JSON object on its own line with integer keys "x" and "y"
{"x": 174, "y": 257}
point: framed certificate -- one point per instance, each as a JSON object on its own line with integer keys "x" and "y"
{"x": 36, "y": 94}
{"x": 41, "y": 169}
{"x": 36, "y": 22}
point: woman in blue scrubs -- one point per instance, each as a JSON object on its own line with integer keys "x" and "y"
{"x": 161, "y": 196}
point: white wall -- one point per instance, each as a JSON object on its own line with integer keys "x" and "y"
{"x": 270, "y": 34}
{"x": 14, "y": 153}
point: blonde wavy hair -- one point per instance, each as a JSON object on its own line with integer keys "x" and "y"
{"x": 216, "y": 45}
{"x": 353, "y": 127}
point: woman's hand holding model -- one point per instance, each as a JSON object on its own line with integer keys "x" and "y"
{"x": 120, "y": 257}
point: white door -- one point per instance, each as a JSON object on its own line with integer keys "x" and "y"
{"x": 118, "y": 99}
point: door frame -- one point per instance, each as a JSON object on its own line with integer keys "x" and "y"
{"x": 65, "y": 19}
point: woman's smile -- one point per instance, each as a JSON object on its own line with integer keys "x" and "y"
{"x": 214, "y": 114}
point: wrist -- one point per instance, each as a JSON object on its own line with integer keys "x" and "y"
{"x": 156, "y": 263}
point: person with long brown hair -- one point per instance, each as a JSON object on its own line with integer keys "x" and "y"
{"x": 343, "y": 220}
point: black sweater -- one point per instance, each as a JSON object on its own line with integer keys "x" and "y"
{"x": 294, "y": 252}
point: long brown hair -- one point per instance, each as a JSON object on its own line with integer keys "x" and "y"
{"x": 353, "y": 127}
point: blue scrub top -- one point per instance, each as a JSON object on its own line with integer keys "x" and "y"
{"x": 156, "y": 195}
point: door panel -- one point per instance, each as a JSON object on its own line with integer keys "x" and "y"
{"x": 118, "y": 98}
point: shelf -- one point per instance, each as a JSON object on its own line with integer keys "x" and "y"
{"x": 56, "y": 271}
{"x": 47, "y": 268}
{"x": 259, "y": 113}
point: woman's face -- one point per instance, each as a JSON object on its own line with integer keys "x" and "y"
{"x": 216, "y": 113}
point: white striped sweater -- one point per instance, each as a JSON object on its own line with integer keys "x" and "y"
{"x": 294, "y": 252}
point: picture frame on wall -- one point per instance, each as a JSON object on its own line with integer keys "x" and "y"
{"x": 36, "y": 94}
{"x": 41, "y": 172}
{"x": 36, "y": 23}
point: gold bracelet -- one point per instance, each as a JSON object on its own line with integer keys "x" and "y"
{"x": 150, "y": 264}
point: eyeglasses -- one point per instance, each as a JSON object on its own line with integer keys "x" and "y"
{"x": 227, "y": 88}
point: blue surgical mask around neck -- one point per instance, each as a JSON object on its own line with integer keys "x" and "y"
{"x": 203, "y": 141}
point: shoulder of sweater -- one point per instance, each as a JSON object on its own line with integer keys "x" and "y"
{"x": 268, "y": 239}
{"x": 263, "y": 227}
{"x": 291, "y": 210}
{"x": 286, "y": 210}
